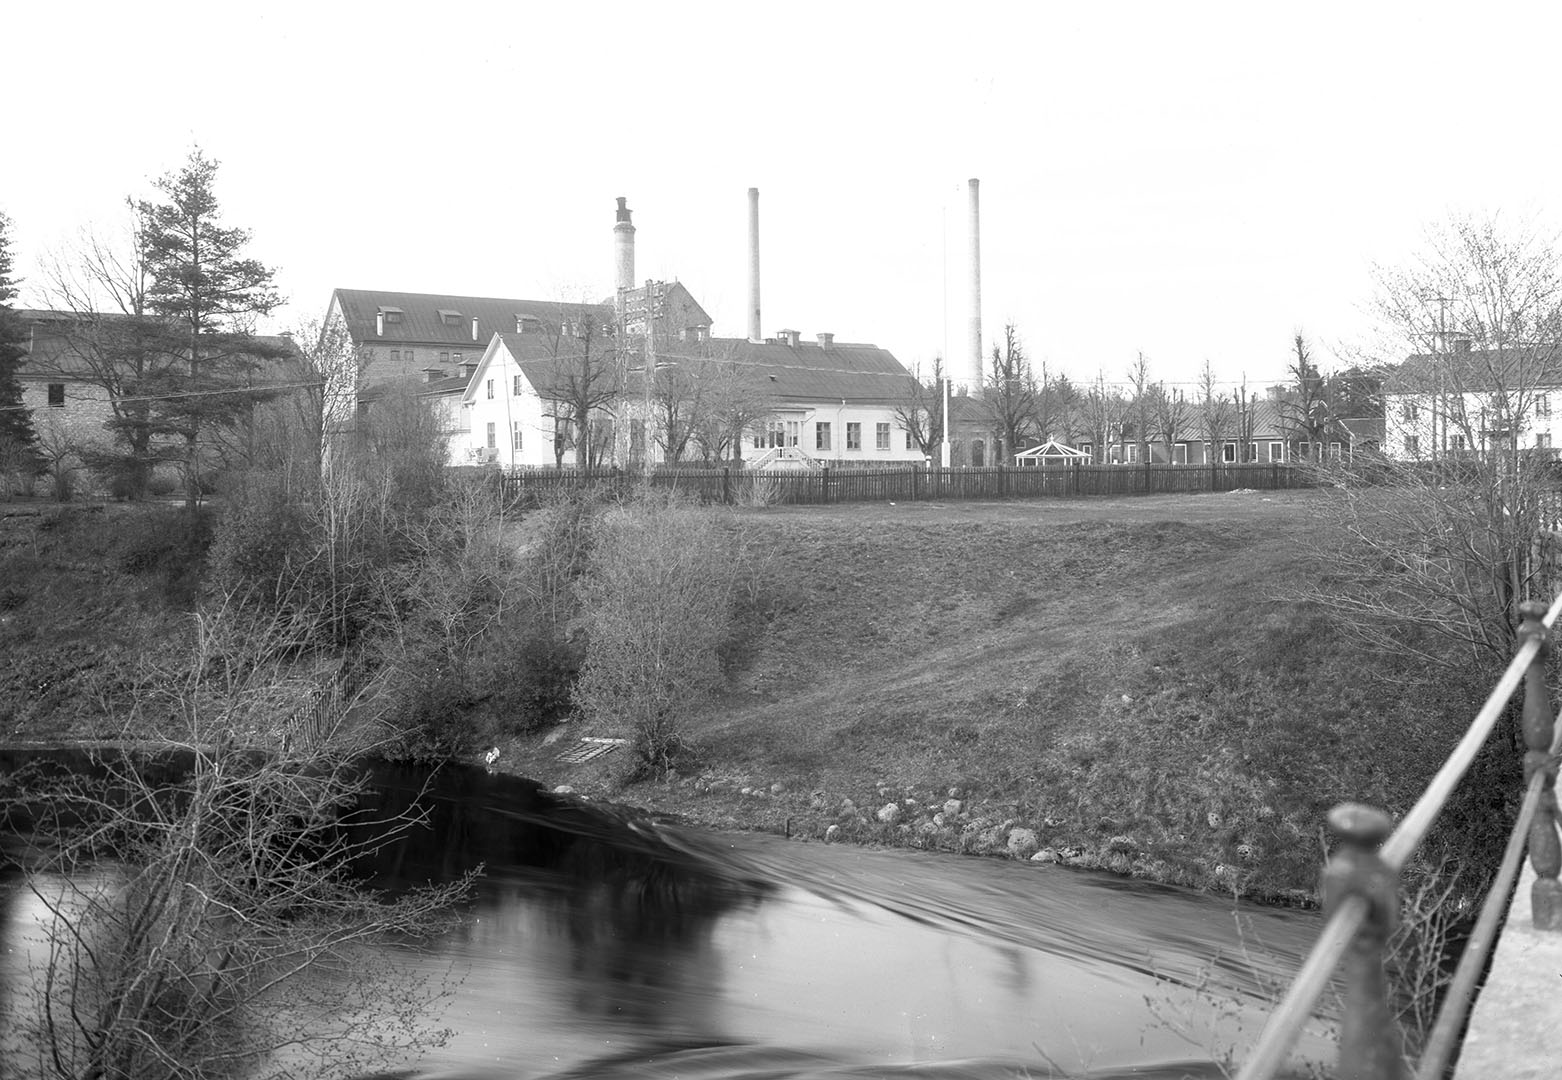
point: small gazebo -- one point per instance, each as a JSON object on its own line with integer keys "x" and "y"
{"x": 1050, "y": 452}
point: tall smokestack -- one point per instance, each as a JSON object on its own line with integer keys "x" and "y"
{"x": 623, "y": 248}
{"x": 753, "y": 264}
{"x": 974, "y": 370}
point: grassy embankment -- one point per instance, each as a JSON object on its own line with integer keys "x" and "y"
{"x": 1116, "y": 676}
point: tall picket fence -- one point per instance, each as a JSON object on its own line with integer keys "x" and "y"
{"x": 909, "y": 484}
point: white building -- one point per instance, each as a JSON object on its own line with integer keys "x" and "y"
{"x": 1471, "y": 402}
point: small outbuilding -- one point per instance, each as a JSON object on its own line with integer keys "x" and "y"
{"x": 1050, "y": 452}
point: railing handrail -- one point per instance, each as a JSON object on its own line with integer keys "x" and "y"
{"x": 1295, "y": 1008}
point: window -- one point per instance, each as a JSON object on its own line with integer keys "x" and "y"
{"x": 515, "y": 391}
{"x": 822, "y": 435}
{"x": 1088, "y": 449}
{"x": 853, "y": 435}
{"x": 490, "y": 389}
{"x": 409, "y": 355}
{"x": 881, "y": 437}
{"x": 1334, "y": 451}
{"x": 455, "y": 358}
{"x": 492, "y": 438}
{"x": 392, "y": 314}
{"x": 794, "y": 431}
{"x": 978, "y": 453}
{"x": 909, "y": 444}
{"x": 1131, "y": 453}
{"x": 1228, "y": 453}
{"x": 450, "y": 318}
{"x": 1180, "y": 453}
{"x": 1408, "y": 412}
{"x": 1412, "y": 444}
{"x": 1543, "y": 405}
{"x": 1277, "y": 451}
{"x": 56, "y": 395}
{"x": 1543, "y": 440}
{"x": 1456, "y": 443}
{"x": 444, "y": 357}
{"x": 515, "y": 435}
{"x": 395, "y": 356}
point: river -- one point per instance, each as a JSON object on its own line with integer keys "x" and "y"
{"x": 600, "y": 944}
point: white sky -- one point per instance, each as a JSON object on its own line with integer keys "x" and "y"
{"x": 1190, "y": 180}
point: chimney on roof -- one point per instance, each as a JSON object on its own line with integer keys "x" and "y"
{"x": 753, "y": 264}
{"x": 474, "y": 329}
{"x": 379, "y": 324}
{"x": 623, "y": 250}
{"x": 825, "y": 338}
{"x": 790, "y": 337}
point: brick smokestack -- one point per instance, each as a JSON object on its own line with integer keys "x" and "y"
{"x": 623, "y": 248}
{"x": 973, "y": 374}
{"x": 753, "y": 264}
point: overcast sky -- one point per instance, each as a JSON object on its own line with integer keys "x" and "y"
{"x": 1194, "y": 181}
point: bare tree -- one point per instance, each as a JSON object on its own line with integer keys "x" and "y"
{"x": 1451, "y": 543}
{"x": 201, "y": 916}
{"x": 1169, "y": 415}
{"x": 734, "y": 401}
{"x": 1307, "y": 411}
{"x": 1141, "y": 404}
{"x": 1010, "y": 393}
{"x": 1102, "y": 411}
{"x": 1216, "y": 412}
{"x": 585, "y": 380}
{"x": 921, "y": 411}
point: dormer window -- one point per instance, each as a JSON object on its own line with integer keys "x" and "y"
{"x": 392, "y": 315}
{"x": 527, "y": 324}
{"x": 449, "y": 318}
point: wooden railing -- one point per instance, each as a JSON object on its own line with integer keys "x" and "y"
{"x": 1361, "y": 892}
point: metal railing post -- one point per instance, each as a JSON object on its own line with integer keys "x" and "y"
{"x": 1369, "y": 1037}
{"x": 1545, "y": 846}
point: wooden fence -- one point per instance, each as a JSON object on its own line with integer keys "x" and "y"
{"x": 912, "y": 484}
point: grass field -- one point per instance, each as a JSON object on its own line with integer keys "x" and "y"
{"x": 1122, "y": 676}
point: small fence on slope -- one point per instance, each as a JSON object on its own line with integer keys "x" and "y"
{"x": 832, "y": 484}
{"x": 1361, "y": 894}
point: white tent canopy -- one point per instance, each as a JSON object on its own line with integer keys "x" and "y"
{"x": 1050, "y": 452}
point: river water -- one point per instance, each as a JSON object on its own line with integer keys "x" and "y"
{"x": 600, "y": 944}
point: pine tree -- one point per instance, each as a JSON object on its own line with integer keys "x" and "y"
{"x": 201, "y": 283}
{"x": 17, "y": 437}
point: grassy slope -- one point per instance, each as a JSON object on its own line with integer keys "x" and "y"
{"x": 1092, "y": 669}
{"x": 1115, "y": 674}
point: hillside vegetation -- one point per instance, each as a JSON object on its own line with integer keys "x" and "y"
{"x": 1123, "y": 678}
{"x": 1110, "y": 682}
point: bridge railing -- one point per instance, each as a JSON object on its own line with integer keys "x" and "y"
{"x": 1361, "y": 888}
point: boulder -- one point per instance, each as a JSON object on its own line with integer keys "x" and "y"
{"x": 953, "y": 807}
{"x": 1023, "y": 843}
{"x": 889, "y": 813}
{"x": 832, "y": 834}
{"x": 1046, "y": 855}
{"x": 777, "y": 788}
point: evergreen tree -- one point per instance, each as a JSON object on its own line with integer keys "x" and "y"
{"x": 17, "y": 437}
{"x": 202, "y": 284}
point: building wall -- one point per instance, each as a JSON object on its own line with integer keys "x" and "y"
{"x": 79, "y": 418}
{"x": 510, "y": 409}
{"x": 838, "y": 418}
{"x": 1419, "y": 425}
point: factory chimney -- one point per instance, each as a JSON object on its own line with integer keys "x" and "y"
{"x": 623, "y": 250}
{"x": 973, "y": 379}
{"x": 753, "y": 264}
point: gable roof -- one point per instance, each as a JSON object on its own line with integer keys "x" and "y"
{"x": 811, "y": 372}
{"x": 422, "y": 323}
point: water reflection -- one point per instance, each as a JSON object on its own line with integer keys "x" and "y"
{"x": 602, "y": 944}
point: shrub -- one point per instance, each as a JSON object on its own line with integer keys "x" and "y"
{"x": 659, "y": 594}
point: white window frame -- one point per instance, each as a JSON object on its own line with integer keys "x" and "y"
{"x": 1276, "y": 450}
{"x": 493, "y": 436}
{"x": 515, "y": 435}
{"x": 854, "y": 435}
{"x": 1179, "y": 453}
{"x": 1228, "y": 453}
{"x": 821, "y": 434}
{"x": 881, "y": 436}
